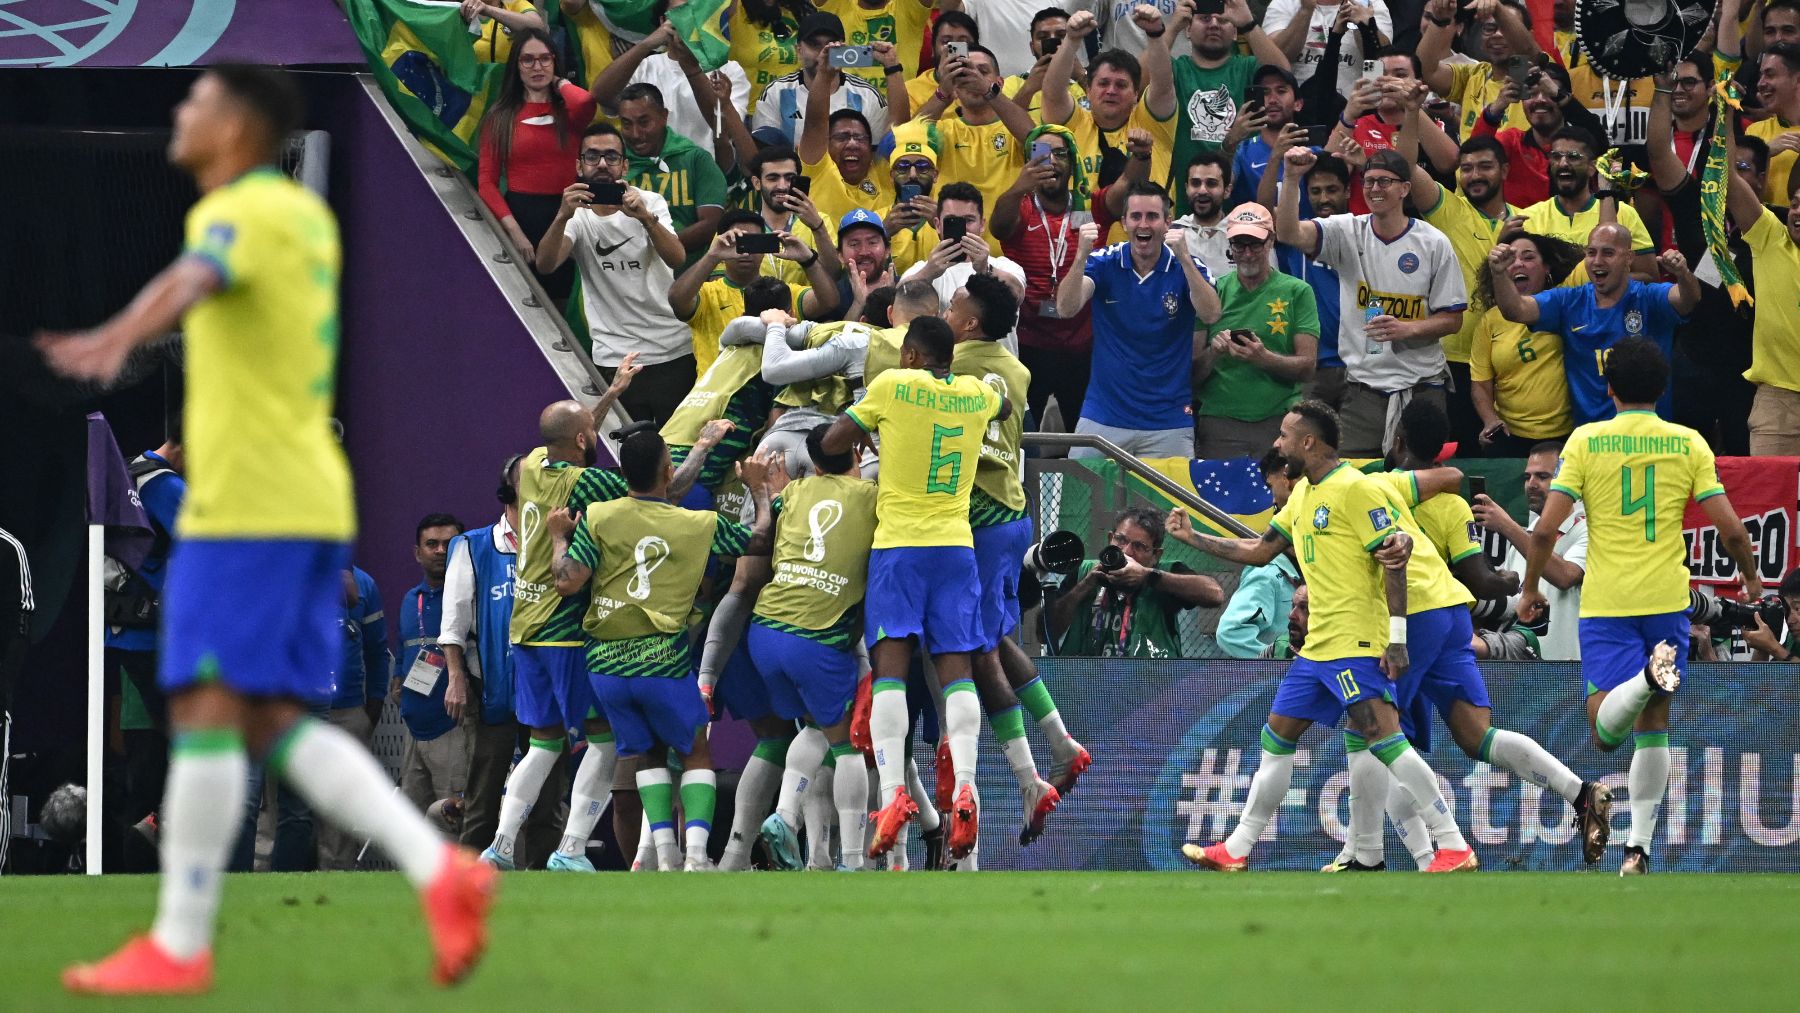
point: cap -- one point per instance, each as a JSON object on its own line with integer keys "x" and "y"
{"x": 1390, "y": 161}
{"x": 1249, "y": 220}
{"x": 913, "y": 139}
{"x": 770, "y": 137}
{"x": 1282, "y": 72}
{"x": 821, "y": 23}
{"x": 861, "y": 216}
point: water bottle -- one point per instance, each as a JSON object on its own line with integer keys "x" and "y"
{"x": 1371, "y": 310}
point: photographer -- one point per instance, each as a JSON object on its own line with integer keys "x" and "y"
{"x": 1122, "y": 605}
{"x": 1762, "y": 637}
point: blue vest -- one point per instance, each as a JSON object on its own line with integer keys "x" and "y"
{"x": 494, "y": 572}
{"x": 418, "y": 618}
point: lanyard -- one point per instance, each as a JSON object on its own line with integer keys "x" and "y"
{"x": 420, "y": 602}
{"x": 1060, "y": 244}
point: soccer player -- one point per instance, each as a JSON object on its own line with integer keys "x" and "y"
{"x": 1634, "y": 474}
{"x": 1339, "y": 519}
{"x": 803, "y": 641}
{"x": 642, "y": 559}
{"x": 255, "y": 582}
{"x": 924, "y": 587}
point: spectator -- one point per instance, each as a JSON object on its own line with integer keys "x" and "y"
{"x": 477, "y": 609}
{"x": 954, "y": 261}
{"x": 1324, "y": 101}
{"x": 1520, "y": 387}
{"x": 663, "y": 61}
{"x": 1374, "y": 117}
{"x": 1253, "y": 155}
{"x": 1400, "y": 291}
{"x": 774, "y": 178}
{"x": 1049, "y": 27}
{"x": 361, "y": 690}
{"x": 788, "y": 102}
{"x": 493, "y": 25}
{"x": 1204, "y": 187}
{"x": 1012, "y": 28}
{"x": 983, "y": 143}
{"x": 1574, "y": 207}
{"x": 1131, "y": 610}
{"x": 1118, "y": 27}
{"x": 1593, "y": 317}
{"x": 1774, "y": 361}
{"x": 1327, "y": 188}
{"x": 1763, "y": 640}
{"x": 762, "y": 34}
{"x": 913, "y": 168}
{"x": 1123, "y": 93}
{"x": 1034, "y": 221}
{"x": 1144, "y": 343}
{"x": 1549, "y": 106}
{"x": 1778, "y": 90}
{"x": 1254, "y": 619}
{"x": 1299, "y": 29}
{"x": 1502, "y": 37}
{"x": 1214, "y": 79}
{"x": 708, "y": 303}
{"x": 529, "y": 138}
{"x": 1287, "y": 646}
{"x": 1568, "y": 560}
{"x": 951, "y": 26}
{"x": 868, "y": 264}
{"x": 898, "y": 23}
{"x": 1781, "y": 22}
{"x": 1264, "y": 346}
{"x": 436, "y": 765}
{"x": 664, "y": 162}
{"x": 840, "y": 159}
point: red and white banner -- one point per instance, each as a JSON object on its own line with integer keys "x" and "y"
{"x": 1765, "y": 492}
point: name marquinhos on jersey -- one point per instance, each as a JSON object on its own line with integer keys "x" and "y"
{"x": 1624, "y": 443}
{"x": 1400, "y": 307}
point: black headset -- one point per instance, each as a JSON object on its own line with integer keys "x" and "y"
{"x": 508, "y": 494}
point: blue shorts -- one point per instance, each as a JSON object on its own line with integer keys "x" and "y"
{"x": 740, "y": 690}
{"x": 550, "y": 686}
{"x": 258, "y": 616}
{"x": 804, "y": 677}
{"x": 999, "y": 554}
{"x": 930, "y": 592}
{"x": 1441, "y": 671}
{"x": 1615, "y": 648}
{"x": 646, "y": 711}
{"x": 1320, "y": 691}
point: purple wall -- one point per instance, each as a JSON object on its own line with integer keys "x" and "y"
{"x": 181, "y": 33}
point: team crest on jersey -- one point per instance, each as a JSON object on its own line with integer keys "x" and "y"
{"x": 1000, "y": 143}
{"x": 1634, "y": 322}
{"x": 1171, "y": 303}
{"x": 1321, "y": 517}
{"x": 1409, "y": 262}
{"x": 868, "y": 187}
{"x": 1379, "y": 518}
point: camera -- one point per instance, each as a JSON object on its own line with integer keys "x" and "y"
{"x": 1111, "y": 558}
{"x": 1058, "y": 552}
{"x": 847, "y": 57}
{"x": 609, "y": 194}
{"x": 1707, "y": 610}
{"x": 758, "y": 242}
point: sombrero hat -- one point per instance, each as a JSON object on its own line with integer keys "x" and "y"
{"x": 1629, "y": 39}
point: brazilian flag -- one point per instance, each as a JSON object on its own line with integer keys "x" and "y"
{"x": 702, "y": 25}
{"x": 423, "y": 57}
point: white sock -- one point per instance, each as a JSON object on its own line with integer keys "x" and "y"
{"x": 1620, "y": 709}
{"x": 1368, "y": 793}
{"x": 1267, "y": 790}
{"x": 1646, "y": 784}
{"x": 202, "y": 808}
{"x": 928, "y": 814}
{"x": 962, "y": 723}
{"x": 850, "y": 791}
{"x": 1409, "y": 824}
{"x": 805, "y": 755}
{"x": 755, "y": 791}
{"x": 698, "y": 833}
{"x": 887, "y": 732}
{"x": 645, "y": 859}
{"x": 1522, "y": 755}
{"x": 816, "y": 805}
{"x": 593, "y": 787}
{"x": 522, "y": 788}
{"x": 1417, "y": 780}
{"x": 1019, "y": 758}
{"x": 343, "y": 783}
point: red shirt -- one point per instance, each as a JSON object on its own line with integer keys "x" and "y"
{"x": 1374, "y": 134}
{"x": 1044, "y": 245}
{"x": 1527, "y": 165}
{"x": 536, "y": 163}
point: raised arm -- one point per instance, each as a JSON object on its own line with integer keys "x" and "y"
{"x": 100, "y": 353}
{"x": 1303, "y": 236}
{"x": 812, "y": 146}
{"x": 1735, "y": 540}
{"x": 1665, "y": 169}
{"x": 1686, "y": 293}
{"x": 1249, "y": 551}
{"x": 1076, "y": 288}
{"x": 1158, "y": 65}
{"x": 1291, "y": 36}
{"x": 684, "y": 294}
{"x": 689, "y": 472}
{"x": 617, "y": 74}
{"x": 1742, "y": 202}
{"x": 1058, "y": 104}
{"x": 1435, "y": 37}
{"x": 1520, "y": 309}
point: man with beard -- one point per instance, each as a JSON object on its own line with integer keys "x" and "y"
{"x": 1256, "y": 166}
{"x": 1124, "y": 91}
{"x": 1216, "y": 77}
{"x": 863, "y": 249}
{"x": 1049, "y": 27}
{"x": 1594, "y": 317}
{"x": 1502, "y": 34}
{"x": 1549, "y": 106}
{"x": 913, "y": 168}
{"x": 982, "y": 142}
{"x": 1573, "y": 210}
{"x": 1774, "y": 364}
{"x": 1328, "y": 189}
{"x": 1400, "y": 291}
{"x": 666, "y": 163}
{"x": 1144, "y": 342}
{"x": 786, "y": 208}
{"x": 817, "y": 89}
{"x": 1565, "y": 566}
{"x": 1207, "y": 182}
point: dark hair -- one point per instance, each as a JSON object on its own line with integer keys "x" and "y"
{"x": 1425, "y": 428}
{"x": 1412, "y": 57}
{"x": 1559, "y": 256}
{"x": 439, "y": 520}
{"x": 767, "y": 13}
{"x": 603, "y": 129}
{"x": 823, "y": 463}
{"x": 1636, "y": 371}
{"x": 1271, "y": 463}
{"x": 1757, "y": 147}
{"x": 964, "y": 192}
{"x": 1119, "y": 60}
{"x": 763, "y": 156}
{"x": 851, "y": 114}
{"x": 1780, "y": 5}
{"x": 976, "y": 47}
{"x": 643, "y": 91}
{"x": 1579, "y": 136}
{"x": 641, "y": 457}
{"x": 956, "y": 19}
{"x": 1786, "y": 52}
{"x": 1703, "y": 62}
{"x": 995, "y": 304}
{"x": 877, "y": 306}
{"x": 739, "y": 216}
{"x": 1044, "y": 15}
{"x": 1331, "y": 165}
{"x": 1145, "y": 188}
{"x": 1546, "y": 447}
{"x": 508, "y": 492}
{"x": 1483, "y": 144}
{"x": 500, "y": 117}
{"x": 1145, "y": 518}
{"x": 1790, "y": 584}
{"x": 1209, "y": 157}
{"x": 270, "y": 95}
{"x": 1320, "y": 418}
{"x": 767, "y": 293}
{"x": 932, "y": 336}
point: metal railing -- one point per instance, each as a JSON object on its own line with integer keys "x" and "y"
{"x": 1138, "y": 469}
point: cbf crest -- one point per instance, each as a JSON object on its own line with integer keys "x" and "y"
{"x": 1321, "y": 517}
{"x": 1634, "y": 322}
{"x": 1171, "y": 303}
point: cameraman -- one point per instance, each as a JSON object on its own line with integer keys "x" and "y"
{"x": 1122, "y": 605}
{"x": 1762, "y": 639}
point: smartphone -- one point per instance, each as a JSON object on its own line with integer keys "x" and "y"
{"x": 758, "y": 242}
{"x": 848, "y": 57}
{"x": 908, "y": 191}
{"x": 1317, "y": 134}
{"x": 803, "y": 184}
{"x": 612, "y": 194}
{"x": 956, "y": 49}
{"x": 1371, "y": 70}
{"x": 1255, "y": 95}
{"x": 1051, "y": 45}
{"x": 1519, "y": 68}
{"x": 1204, "y": 7}
{"x": 1042, "y": 151}
{"x": 1477, "y": 486}
{"x": 1243, "y": 337}
{"x": 955, "y": 227}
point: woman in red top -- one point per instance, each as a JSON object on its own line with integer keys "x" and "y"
{"x": 530, "y": 140}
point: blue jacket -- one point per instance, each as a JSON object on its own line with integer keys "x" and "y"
{"x": 161, "y": 495}
{"x": 363, "y": 670}
{"x": 1258, "y": 611}
{"x": 491, "y": 645}
{"x": 418, "y": 619}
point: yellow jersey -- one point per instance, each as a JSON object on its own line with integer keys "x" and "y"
{"x": 1635, "y": 473}
{"x": 721, "y": 302}
{"x": 836, "y": 196}
{"x": 1334, "y": 527}
{"x": 985, "y": 155}
{"x": 1545, "y": 218}
{"x": 1429, "y": 582}
{"x": 1472, "y": 87}
{"x": 931, "y": 430}
{"x": 900, "y": 22}
{"x": 262, "y": 367}
{"x": 1472, "y": 234}
{"x": 1531, "y": 393}
{"x": 494, "y": 44}
{"x": 764, "y": 54}
{"x": 1774, "y": 359}
{"x": 790, "y": 271}
{"x": 1781, "y": 164}
{"x": 1088, "y": 136}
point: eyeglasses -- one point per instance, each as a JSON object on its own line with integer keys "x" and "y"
{"x": 912, "y": 167}
{"x": 1380, "y": 182}
{"x": 1688, "y": 82}
{"x": 1568, "y": 156}
{"x": 543, "y": 60}
{"x": 1245, "y": 242}
{"x": 596, "y": 157}
{"x": 1119, "y": 539}
{"x": 1742, "y": 166}
{"x": 849, "y": 137}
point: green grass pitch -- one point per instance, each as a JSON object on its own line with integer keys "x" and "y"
{"x": 880, "y": 941}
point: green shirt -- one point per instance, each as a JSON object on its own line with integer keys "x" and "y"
{"x": 999, "y": 490}
{"x": 686, "y": 176}
{"x": 1282, "y": 307}
{"x": 1111, "y": 624}
{"x": 539, "y": 616}
{"x": 732, "y": 388}
{"x": 824, "y": 528}
{"x": 1213, "y": 95}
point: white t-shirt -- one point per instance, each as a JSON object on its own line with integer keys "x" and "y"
{"x": 955, "y": 275}
{"x": 685, "y": 117}
{"x": 1006, "y": 29}
{"x": 1118, "y": 31}
{"x": 1563, "y": 642}
{"x": 1350, "y": 52}
{"x": 625, "y": 286}
{"x": 1409, "y": 278}
{"x": 782, "y": 105}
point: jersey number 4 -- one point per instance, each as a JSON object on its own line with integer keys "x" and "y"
{"x": 941, "y": 460}
{"x": 1646, "y": 501}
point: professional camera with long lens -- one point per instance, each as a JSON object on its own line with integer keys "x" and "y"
{"x": 1060, "y": 552}
{"x": 1111, "y": 558}
{"x": 1708, "y": 610}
